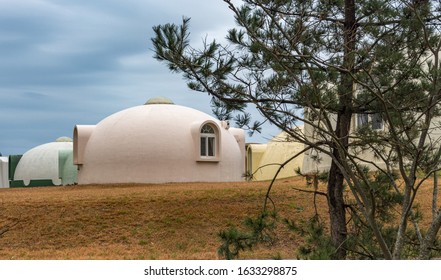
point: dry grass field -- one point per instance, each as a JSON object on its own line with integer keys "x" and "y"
{"x": 167, "y": 221}
{"x": 170, "y": 221}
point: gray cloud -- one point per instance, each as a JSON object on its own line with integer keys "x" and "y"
{"x": 68, "y": 62}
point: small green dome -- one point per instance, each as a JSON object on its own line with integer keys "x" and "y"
{"x": 159, "y": 100}
{"x": 64, "y": 139}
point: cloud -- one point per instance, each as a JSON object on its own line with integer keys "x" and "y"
{"x": 68, "y": 62}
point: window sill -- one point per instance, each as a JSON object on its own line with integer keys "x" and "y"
{"x": 208, "y": 159}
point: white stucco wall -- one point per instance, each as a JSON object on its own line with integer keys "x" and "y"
{"x": 4, "y": 177}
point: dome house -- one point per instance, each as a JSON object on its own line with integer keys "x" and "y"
{"x": 159, "y": 142}
{"x": 50, "y": 164}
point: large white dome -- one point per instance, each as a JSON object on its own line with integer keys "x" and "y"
{"x": 157, "y": 142}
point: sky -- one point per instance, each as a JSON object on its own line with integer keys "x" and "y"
{"x": 69, "y": 62}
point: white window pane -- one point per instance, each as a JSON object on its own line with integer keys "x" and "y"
{"x": 362, "y": 119}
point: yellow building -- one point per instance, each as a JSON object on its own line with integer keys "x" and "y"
{"x": 263, "y": 160}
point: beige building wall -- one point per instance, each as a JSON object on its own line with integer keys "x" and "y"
{"x": 81, "y": 134}
{"x": 263, "y": 160}
{"x": 254, "y": 156}
{"x": 317, "y": 162}
{"x": 314, "y": 161}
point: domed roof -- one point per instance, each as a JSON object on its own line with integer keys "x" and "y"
{"x": 142, "y": 131}
{"x": 41, "y": 163}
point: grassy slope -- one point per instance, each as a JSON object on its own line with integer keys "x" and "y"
{"x": 172, "y": 221}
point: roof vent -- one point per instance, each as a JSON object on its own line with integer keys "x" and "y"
{"x": 64, "y": 139}
{"x": 159, "y": 100}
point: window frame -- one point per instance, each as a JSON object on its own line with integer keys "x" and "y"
{"x": 374, "y": 121}
{"x": 208, "y": 142}
{"x": 207, "y": 148}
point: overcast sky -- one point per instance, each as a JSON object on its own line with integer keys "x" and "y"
{"x": 68, "y": 62}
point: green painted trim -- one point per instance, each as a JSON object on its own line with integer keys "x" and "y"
{"x": 13, "y": 162}
{"x": 67, "y": 171}
{"x": 16, "y": 184}
{"x": 33, "y": 183}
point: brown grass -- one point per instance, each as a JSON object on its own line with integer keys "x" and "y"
{"x": 167, "y": 221}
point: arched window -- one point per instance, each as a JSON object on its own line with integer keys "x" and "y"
{"x": 208, "y": 141}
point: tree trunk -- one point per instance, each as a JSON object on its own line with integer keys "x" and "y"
{"x": 432, "y": 232}
{"x": 337, "y": 210}
{"x": 336, "y": 179}
{"x": 335, "y": 188}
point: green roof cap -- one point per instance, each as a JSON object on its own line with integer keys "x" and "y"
{"x": 64, "y": 139}
{"x": 159, "y": 100}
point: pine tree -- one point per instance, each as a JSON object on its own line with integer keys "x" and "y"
{"x": 323, "y": 64}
